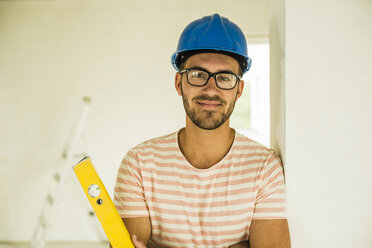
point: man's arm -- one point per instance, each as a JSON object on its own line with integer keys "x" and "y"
{"x": 141, "y": 227}
{"x": 269, "y": 234}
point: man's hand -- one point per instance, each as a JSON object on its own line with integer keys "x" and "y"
{"x": 137, "y": 243}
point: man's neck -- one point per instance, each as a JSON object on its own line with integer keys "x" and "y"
{"x": 204, "y": 148}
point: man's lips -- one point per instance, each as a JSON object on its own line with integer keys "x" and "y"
{"x": 209, "y": 104}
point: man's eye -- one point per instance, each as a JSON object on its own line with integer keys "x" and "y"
{"x": 197, "y": 74}
{"x": 224, "y": 78}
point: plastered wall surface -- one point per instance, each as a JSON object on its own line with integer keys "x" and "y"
{"x": 328, "y": 139}
{"x": 52, "y": 54}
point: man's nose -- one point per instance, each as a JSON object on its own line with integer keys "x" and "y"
{"x": 211, "y": 84}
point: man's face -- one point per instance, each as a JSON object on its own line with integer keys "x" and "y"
{"x": 209, "y": 107}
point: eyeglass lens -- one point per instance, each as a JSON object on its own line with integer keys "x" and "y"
{"x": 224, "y": 80}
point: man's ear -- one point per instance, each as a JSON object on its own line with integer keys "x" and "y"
{"x": 240, "y": 89}
{"x": 177, "y": 83}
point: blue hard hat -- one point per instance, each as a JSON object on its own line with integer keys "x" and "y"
{"x": 212, "y": 34}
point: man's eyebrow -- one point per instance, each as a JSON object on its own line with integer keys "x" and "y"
{"x": 198, "y": 68}
{"x": 203, "y": 69}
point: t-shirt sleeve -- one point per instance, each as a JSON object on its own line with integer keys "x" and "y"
{"x": 270, "y": 199}
{"x": 129, "y": 197}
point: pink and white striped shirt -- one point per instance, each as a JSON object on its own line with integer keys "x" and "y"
{"x": 191, "y": 207}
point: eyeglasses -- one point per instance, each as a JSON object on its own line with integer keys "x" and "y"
{"x": 199, "y": 77}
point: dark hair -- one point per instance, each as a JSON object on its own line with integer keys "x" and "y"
{"x": 182, "y": 57}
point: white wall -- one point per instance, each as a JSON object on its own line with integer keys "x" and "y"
{"x": 327, "y": 120}
{"x": 52, "y": 53}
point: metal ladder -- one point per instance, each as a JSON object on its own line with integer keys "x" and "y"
{"x": 61, "y": 170}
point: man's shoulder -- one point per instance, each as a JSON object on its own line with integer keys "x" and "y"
{"x": 161, "y": 141}
{"x": 249, "y": 145}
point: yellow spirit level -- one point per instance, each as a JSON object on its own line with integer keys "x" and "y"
{"x": 102, "y": 205}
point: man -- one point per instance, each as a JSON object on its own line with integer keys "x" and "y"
{"x": 205, "y": 185}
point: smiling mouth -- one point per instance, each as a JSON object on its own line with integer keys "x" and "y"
{"x": 209, "y": 104}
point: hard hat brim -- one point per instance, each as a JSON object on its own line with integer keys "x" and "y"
{"x": 179, "y": 57}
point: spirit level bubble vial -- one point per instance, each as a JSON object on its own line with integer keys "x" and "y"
{"x": 102, "y": 205}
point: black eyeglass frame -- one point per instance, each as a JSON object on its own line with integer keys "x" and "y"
{"x": 210, "y": 74}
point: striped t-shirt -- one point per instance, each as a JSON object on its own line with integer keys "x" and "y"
{"x": 190, "y": 207}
